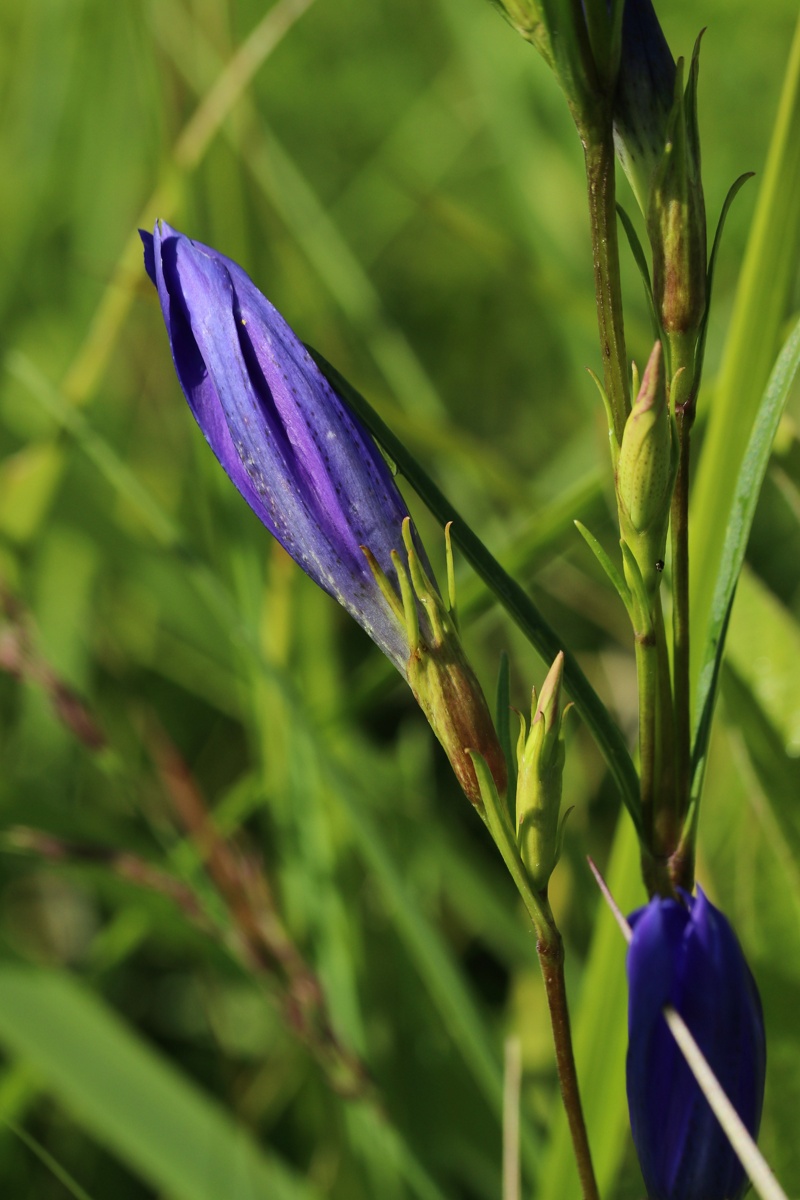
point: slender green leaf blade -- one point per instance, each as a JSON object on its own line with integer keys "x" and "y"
{"x": 130, "y": 1099}
{"x": 745, "y": 499}
{"x": 762, "y": 301}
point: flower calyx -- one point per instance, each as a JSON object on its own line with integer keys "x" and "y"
{"x": 438, "y": 671}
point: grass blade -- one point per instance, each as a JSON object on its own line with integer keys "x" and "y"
{"x": 130, "y": 1099}
{"x": 743, "y": 507}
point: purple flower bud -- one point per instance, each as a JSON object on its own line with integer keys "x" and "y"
{"x": 685, "y": 954}
{"x": 314, "y": 476}
{"x": 309, "y": 471}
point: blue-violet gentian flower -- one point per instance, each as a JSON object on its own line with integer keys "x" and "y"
{"x": 313, "y": 475}
{"x": 307, "y": 469}
{"x": 684, "y": 953}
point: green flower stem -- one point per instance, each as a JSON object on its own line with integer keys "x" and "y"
{"x": 600, "y": 164}
{"x": 517, "y": 604}
{"x": 551, "y": 961}
{"x": 683, "y": 399}
{"x": 550, "y": 949}
{"x": 656, "y": 751}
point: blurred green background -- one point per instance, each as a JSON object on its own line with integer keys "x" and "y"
{"x": 402, "y": 179}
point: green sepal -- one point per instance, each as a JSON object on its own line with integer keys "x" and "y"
{"x": 641, "y": 608}
{"x": 733, "y": 192}
{"x": 503, "y": 722}
{"x": 612, "y": 435}
{"x": 640, "y": 258}
{"x": 616, "y": 579}
{"x": 501, "y": 829}
{"x": 451, "y": 577}
{"x": 561, "y": 825}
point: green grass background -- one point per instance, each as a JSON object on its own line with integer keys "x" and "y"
{"x": 402, "y": 179}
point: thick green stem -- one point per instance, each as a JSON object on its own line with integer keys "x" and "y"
{"x": 680, "y": 617}
{"x": 551, "y": 960}
{"x": 599, "y": 156}
{"x": 683, "y": 398}
{"x": 550, "y": 949}
{"x": 669, "y": 824}
{"x": 656, "y": 752}
{"x": 647, "y": 680}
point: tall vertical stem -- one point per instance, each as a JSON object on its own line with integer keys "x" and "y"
{"x": 551, "y": 960}
{"x": 683, "y": 398}
{"x": 599, "y": 157}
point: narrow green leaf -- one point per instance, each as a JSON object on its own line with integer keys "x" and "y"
{"x": 761, "y": 620}
{"x": 517, "y": 604}
{"x": 615, "y": 577}
{"x": 733, "y": 192}
{"x": 743, "y": 507}
{"x": 762, "y": 303}
{"x": 640, "y": 258}
{"x": 130, "y": 1099}
{"x": 503, "y": 724}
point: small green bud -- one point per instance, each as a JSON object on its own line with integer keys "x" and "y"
{"x": 540, "y": 762}
{"x": 676, "y": 218}
{"x": 439, "y": 673}
{"x": 646, "y": 468}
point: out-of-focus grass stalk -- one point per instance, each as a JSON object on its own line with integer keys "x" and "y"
{"x": 511, "y": 1091}
{"x": 52, "y": 1164}
{"x": 753, "y": 339}
{"x": 764, "y": 1182}
{"x": 193, "y": 142}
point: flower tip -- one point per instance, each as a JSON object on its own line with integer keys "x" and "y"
{"x": 550, "y": 694}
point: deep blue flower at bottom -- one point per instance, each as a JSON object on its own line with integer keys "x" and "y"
{"x": 287, "y": 440}
{"x": 685, "y": 954}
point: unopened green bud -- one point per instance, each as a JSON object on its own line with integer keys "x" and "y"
{"x": 646, "y": 467}
{"x": 540, "y": 765}
{"x": 441, "y": 677}
{"x": 676, "y": 218}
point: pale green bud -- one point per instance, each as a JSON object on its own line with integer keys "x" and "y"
{"x": 540, "y": 764}
{"x": 646, "y": 468}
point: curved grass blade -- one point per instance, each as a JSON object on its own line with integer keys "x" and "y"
{"x": 745, "y": 499}
{"x": 762, "y": 304}
{"x": 131, "y": 1099}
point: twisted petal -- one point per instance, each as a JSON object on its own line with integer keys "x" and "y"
{"x": 687, "y": 955}
{"x": 305, "y": 466}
